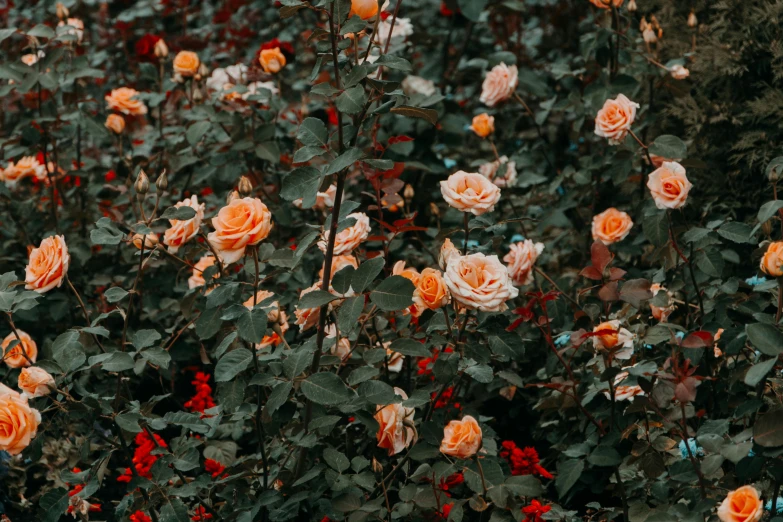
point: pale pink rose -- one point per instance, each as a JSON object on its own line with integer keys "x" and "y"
{"x": 461, "y": 438}
{"x": 623, "y": 392}
{"x": 323, "y": 200}
{"x": 180, "y": 231}
{"x": 342, "y": 347}
{"x": 243, "y": 222}
{"x": 669, "y": 186}
{"x": 35, "y": 382}
{"x": 395, "y": 426}
{"x": 506, "y": 167}
{"x": 447, "y": 251}
{"x": 394, "y": 359}
{"x": 47, "y": 265}
{"x": 611, "y": 226}
{"x": 679, "y": 72}
{"x": 742, "y": 505}
{"x": 499, "y": 84}
{"x": 196, "y": 279}
{"x": 520, "y": 261}
{"x": 614, "y": 339}
{"x": 350, "y": 238}
{"x": 614, "y": 120}
{"x": 479, "y": 282}
{"x": 470, "y": 192}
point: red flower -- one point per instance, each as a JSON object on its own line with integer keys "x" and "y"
{"x": 214, "y": 467}
{"x": 534, "y": 511}
{"x": 399, "y": 139}
{"x": 331, "y": 113}
{"x": 444, "y": 511}
{"x": 145, "y": 47}
{"x": 523, "y": 461}
{"x": 444, "y": 10}
{"x": 200, "y": 514}
{"x": 142, "y": 456}
{"x": 202, "y": 400}
{"x": 445, "y": 398}
{"x": 139, "y": 516}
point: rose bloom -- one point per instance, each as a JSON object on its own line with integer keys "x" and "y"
{"x": 614, "y": 339}
{"x": 338, "y": 263}
{"x": 243, "y": 222}
{"x": 657, "y": 161}
{"x": 31, "y": 59}
{"x": 307, "y": 317}
{"x": 115, "y": 123}
{"x": 233, "y": 74}
{"x": 520, "y": 261}
{"x": 669, "y": 186}
{"x": 409, "y": 273}
{"x": 275, "y": 339}
{"x": 447, "y": 251}
{"x": 15, "y": 357}
{"x": 679, "y": 72}
{"x": 461, "y": 438}
{"x": 403, "y": 28}
{"x": 418, "y": 85}
{"x": 272, "y": 60}
{"x": 479, "y": 282}
{"x": 499, "y": 84}
{"x": 623, "y": 392}
{"x": 197, "y": 277}
{"x": 470, "y": 192}
{"x": 259, "y": 88}
{"x": 18, "y": 421}
{"x": 483, "y": 125}
{"x": 27, "y": 166}
{"x": 611, "y": 226}
{"x": 323, "y": 200}
{"x": 509, "y": 168}
{"x": 186, "y": 63}
{"x": 394, "y": 359}
{"x": 606, "y": 4}
{"x": 364, "y": 9}
{"x": 35, "y": 382}
{"x": 772, "y": 261}
{"x": 48, "y": 265}
{"x": 341, "y": 348}
{"x": 77, "y": 28}
{"x": 741, "y": 505}
{"x": 150, "y": 240}
{"x": 661, "y": 313}
{"x": 614, "y": 120}
{"x": 393, "y": 435}
{"x": 181, "y": 232}
{"x": 431, "y": 291}
{"x": 350, "y": 238}
{"x": 123, "y": 100}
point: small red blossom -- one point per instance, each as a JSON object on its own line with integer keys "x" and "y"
{"x": 139, "y": 516}
{"x": 200, "y": 514}
{"x": 203, "y": 399}
{"x": 534, "y": 510}
{"x": 399, "y": 139}
{"x": 143, "y": 459}
{"x": 445, "y": 510}
{"x": 214, "y": 467}
{"x": 523, "y": 461}
{"x": 445, "y": 399}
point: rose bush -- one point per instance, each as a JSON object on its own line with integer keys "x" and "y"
{"x": 360, "y": 260}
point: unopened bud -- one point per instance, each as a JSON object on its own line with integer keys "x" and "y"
{"x": 142, "y": 185}
{"x": 408, "y": 193}
{"x": 643, "y": 24}
{"x": 163, "y": 181}
{"x": 654, "y": 22}
{"x": 245, "y": 186}
{"x": 692, "y": 20}
{"x": 232, "y": 196}
{"x": 203, "y": 70}
{"x": 434, "y": 209}
{"x": 649, "y": 35}
{"x": 377, "y": 467}
{"x": 766, "y": 227}
{"x": 197, "y": 96}
{"x": 632, "y": 6}
{"x": 150, "y": 240}
{"x": 62, "y": 11}
{"x": 161, "y": 49}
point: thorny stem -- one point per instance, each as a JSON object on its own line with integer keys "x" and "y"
{"x": 259, "y": 424}
{"x": 84, "y": 311}
{"x": 481, "y": 474}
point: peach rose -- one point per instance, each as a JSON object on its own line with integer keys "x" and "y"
{"x": 409, "y": 273}
{"x": 124, "y": 100}
{"x": 483, "y": 125}
{"x": 306, "y": 318}
{"x": 470, "y": 192}
{"x": 741, "y": 505}
{"x": 115, "y": 123}
{"x": 613, "y": 338}
{"x": 323, "y": 200}
{"x": 772, "y": 261}
{"x": 394, "y": 360}
{"x": 395, "y": 426}
{"x": 661, "y": 313}
{"x": 197, "y": 277}
{"x": 243, "y": 222}
{"x": 76, "y": 27}
{"x": 18, "y": 422}
{"x": 32, "y": 59}
{"x": 350, "y": 238}
{"x": 15, "y": 356}
{"x": 27, "y": 166}
{"x": 48, "y": 265}
{"x": 520, "y": 261}
{"x": 499, "y": 84}
{"x": 35, "y": 382}
{"x": 341, "y": 348}
{"x": 614, "y": 120}
{"x": 431, "y": 291}
{"x": 364, "y": 9}
{"x": 261, "y": 296}
{"x": 611, "y": 226}
{"x": 338, "y": 263}
{"x": 479, "y": 282}
{"x": 508, "y": 170}
{"x": 606, "y": 4}
{"x": 272, "y": 60}
{"x": 679, "y": 72}
{"x": 181, "y": 232}
{"x": 150, "y": 240}
{"x": 669, "y": 185}
{"x": 623, "y": 392}
{"x": 447, "y": 251}
{"x": 186, "y": 63}
{"x": 461, "y": 438}
{"x": 274, "y": 339}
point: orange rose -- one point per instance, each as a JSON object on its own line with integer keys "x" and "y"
{"x": 499, "y": 84}
{"x": 15, "y": 357}
{"x": 461, "y": 439}
{"x": 27, "y": 166}
{"x": 606, "y": 4}
{"x": 48, "y": 265}
{"x": 479, "y": 282}
{"x": 18, "y": 422}
{"x": 350, "y": 238}
{"x": 741, "y": 505}
{"x": 483, "y": 125}
{"x": 180, "y": 231}
{"x": 410, "y": 273}
{"x": 197, "y": 277}
{"x": 124, "y": 100}
{"x": 614, "y": 120}
{"x": 395, "y": 426}
{"x": 150, "y": 240}
{"x": 262, "y": 295}
{"x": 772, "y": 262}
{"x": 186, "y": 63}
{"x": 470, "y": 192}
{"x": 35, "y": 382}
{"x": 431, "y": 291}
{"x": 364, "y": 9}
{"x": 338, "y": 263}
{"x": 612, "y": 337}
{"x": 669, "y": 186}
{"x": 520, "y": 260}
{"x": 611, "y": 226}
{"x": 306, "y": 318}
{"x": 272, "y": 60}
{"x": 241, "y": 223}
{"x": 115, "y": 123}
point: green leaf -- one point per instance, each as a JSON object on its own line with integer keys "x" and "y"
{"x": 302, "y": 183}
{"x": 481, "y": 373}
{"x": 348, "y": 315}
{"x": 182, "y": 213}
{"x": 118, "y": 362}
{"x": 53, "y": 505}
{"x": 344, "y": 160}
{"x": 352, "y": 100}
{"x": 316, "y": 299}
{"x": 758, "y": 371}
{"x": 378, "y": 393}
{"x": 41, "y": 31}
{"x": 173, "y": 510}
{"x": 115, "y": 294}
{"x": 568, "y": 474}
{"x": 472, "y": 9}
{"x": 710, "y": 261}
{"x": 769, "y": 209}
{"x": 768, "y": 430}
{"x": 5, "y": 33}
{"x": 429, "y": 115}
{"x": 525, "y": 485}
{"x": 312, "y": 132}
{"x": 144, "y": 338}
{"x": 366, "y": 273}
{"x": 277, "y": 398}
{"x": 736, "y": 232}
{"x": 766, "y": 338}
{"x": 669, "y": 147}
{"x": 105, "y": 236}
{"x": 297, "y": 362}
{"x": 361, "y": 374}
{"x": 394, "y": 62}
{"x": 394, "y": 293}
{"x": 410, "y": 347}
{"x": 157, "y": 356}
{"x": 196, "y": 131}
{"x": 604, "y": 456}
{"x": 326, "y": 388}
{"x": 656, "y": 228}
{"x": 231, "y": 364}
{"x": 129, "y": 422}
{"x": 252, "y": 325}
{"x": 336, "y": 460}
